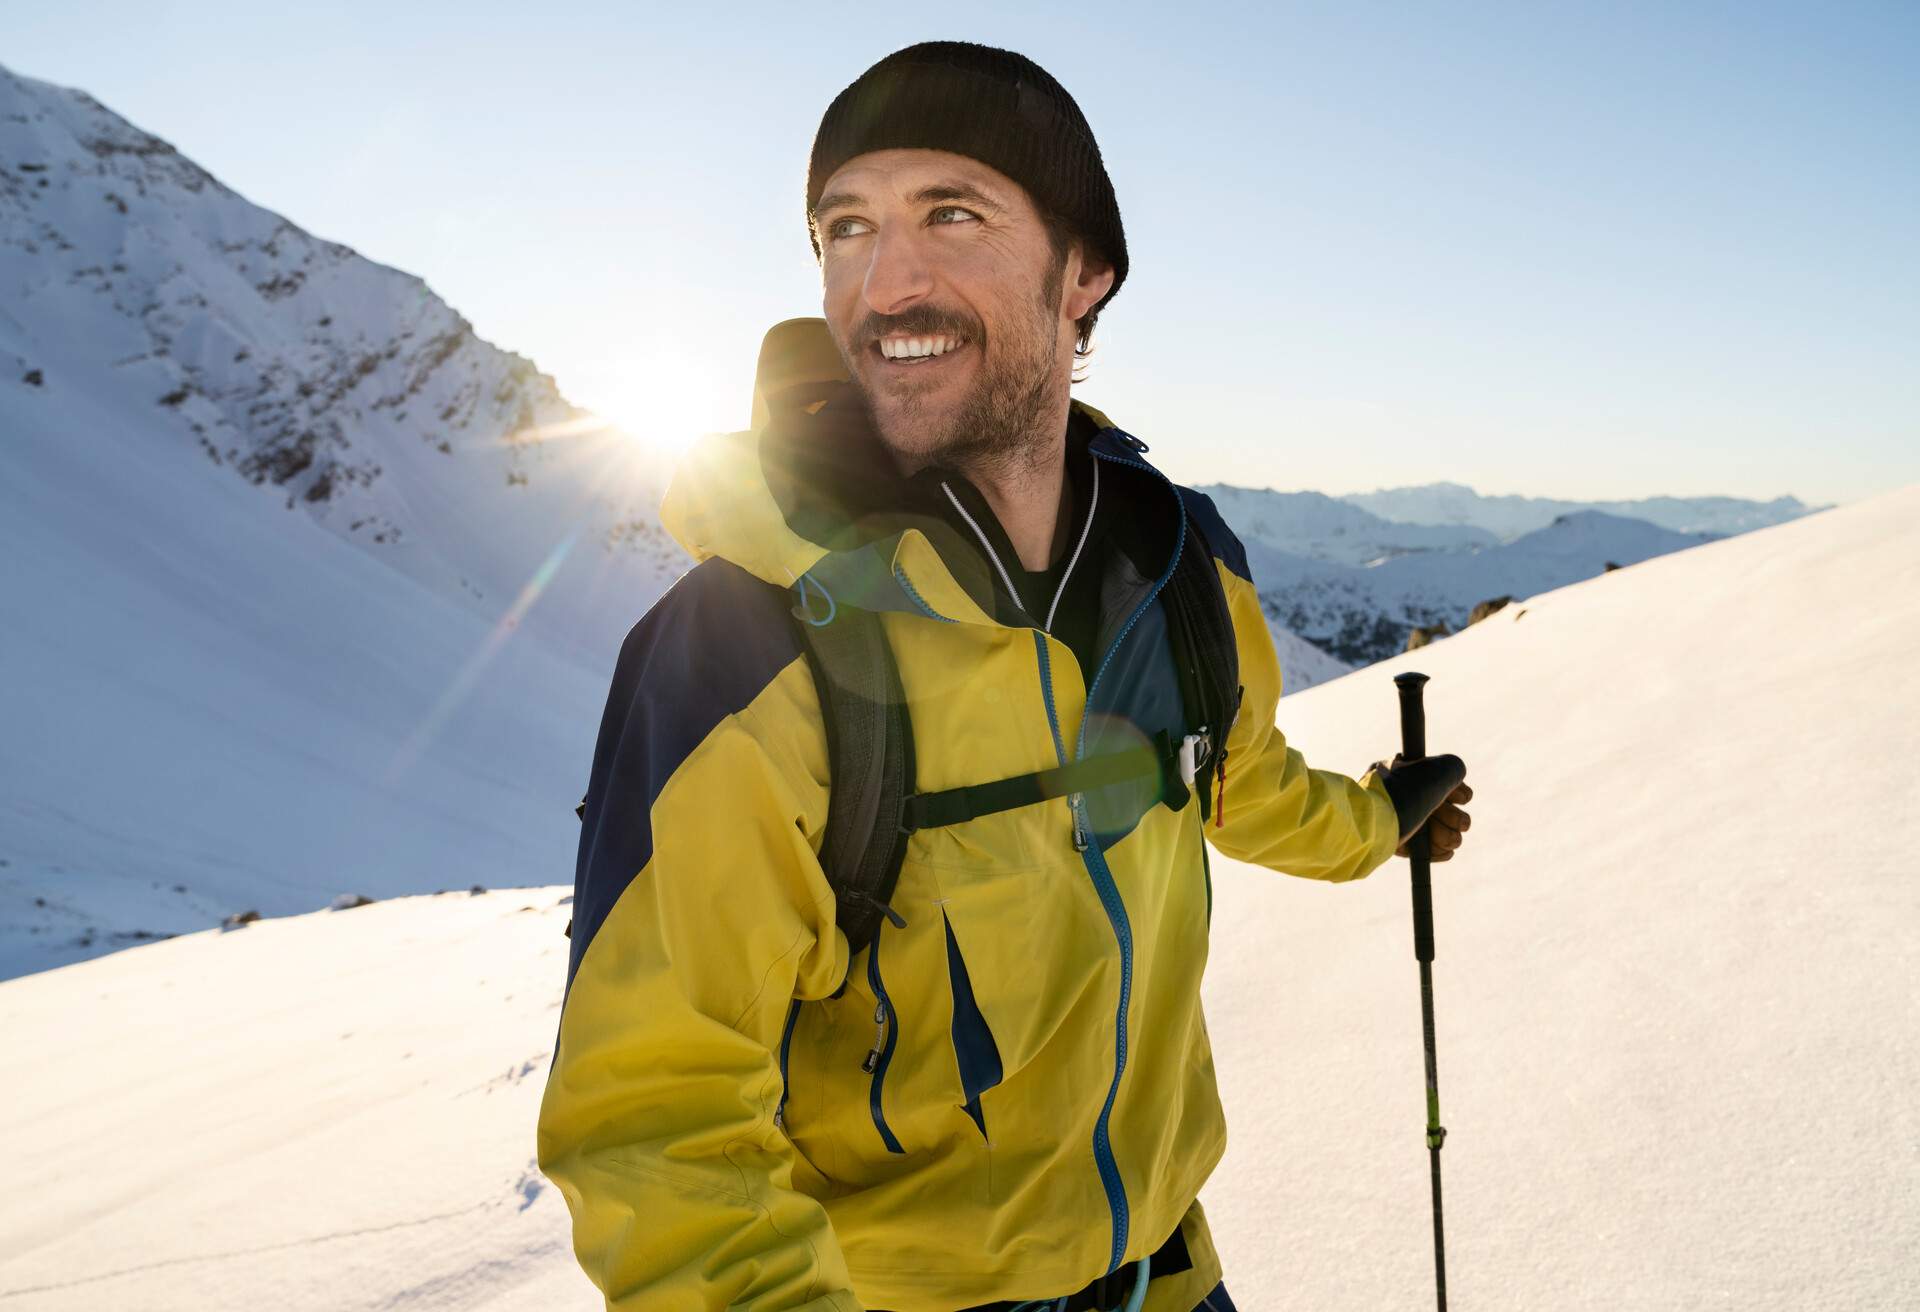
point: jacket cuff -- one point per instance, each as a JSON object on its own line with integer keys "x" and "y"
{"x": 1386, "y": 818}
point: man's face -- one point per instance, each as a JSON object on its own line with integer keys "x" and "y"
{"x": 947, "y": 301}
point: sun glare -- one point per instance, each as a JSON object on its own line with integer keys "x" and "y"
{"x": 666, "y": 399}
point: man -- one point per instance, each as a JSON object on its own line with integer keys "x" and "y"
{"x": 1008, "y": 1093}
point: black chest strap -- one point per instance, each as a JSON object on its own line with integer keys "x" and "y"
{"x": 954, "y": 806}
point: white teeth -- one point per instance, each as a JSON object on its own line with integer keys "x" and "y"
{"x": 916, "y": 348}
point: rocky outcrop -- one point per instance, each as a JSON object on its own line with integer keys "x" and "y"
{"x": 1482, "y": 609}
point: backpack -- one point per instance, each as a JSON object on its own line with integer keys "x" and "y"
{"x": 872, "y": 807}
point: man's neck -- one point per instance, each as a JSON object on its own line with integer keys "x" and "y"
{"x": 1025, "y": 486}
{"x": 1029, "y": 497}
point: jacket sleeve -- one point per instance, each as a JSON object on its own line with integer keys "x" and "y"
{"x": 1276, "y": 810}
{"x": 700, "y": 913}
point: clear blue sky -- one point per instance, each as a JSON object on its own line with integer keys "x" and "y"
{"x": 1584, "y": 250}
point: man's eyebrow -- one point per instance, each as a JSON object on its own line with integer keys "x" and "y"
{"x": 836, "y": 200}
{"x": 942, "y": 191}
{"x": 930, "y": 195}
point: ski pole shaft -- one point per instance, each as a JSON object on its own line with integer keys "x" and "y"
{"x": 1413, "y": 743}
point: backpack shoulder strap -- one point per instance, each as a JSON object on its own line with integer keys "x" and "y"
{"x": 1201, "y": 630}
{"x": 870, "y": 764}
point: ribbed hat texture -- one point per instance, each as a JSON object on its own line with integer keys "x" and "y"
{"x": 992, "y": 105}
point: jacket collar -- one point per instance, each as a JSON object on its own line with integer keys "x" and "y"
{"x": 812, "y": 494}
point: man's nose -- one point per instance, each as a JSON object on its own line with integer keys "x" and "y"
{"x": 899, "y": 274}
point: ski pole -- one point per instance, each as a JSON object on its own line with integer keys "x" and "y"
{"x": 1413, "y": 744}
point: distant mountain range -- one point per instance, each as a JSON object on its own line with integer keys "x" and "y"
{"x": 1507, "y": 517}
{"x": 1360, "y": 614}
{"x": 1355, "y": 582}
{"x": 312, "y": 591}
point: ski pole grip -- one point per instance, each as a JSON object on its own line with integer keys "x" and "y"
{"x": 1413, "y": 714}
{"x": 1413, "y": 743}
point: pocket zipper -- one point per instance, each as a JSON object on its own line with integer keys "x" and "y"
{"x": 886, "y": 1037}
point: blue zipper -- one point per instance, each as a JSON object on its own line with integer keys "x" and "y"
{"x": 1103, "y": 882}
{"x": 882, "y": 1015}
{"x": 786, "y": 1046}
{"x": 913, "y": 594}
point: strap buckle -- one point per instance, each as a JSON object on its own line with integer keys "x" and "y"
{"x": 1195, "y": 749}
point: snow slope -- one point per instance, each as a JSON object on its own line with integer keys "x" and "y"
{"x": 214, "y": 706}
{"x": 326, "y": 1113}
{"x": 311, "y": 591}
{"x": 1676, "y": 961}
{"x": 1675, "y": 993}
{"x": 346, "y": 390}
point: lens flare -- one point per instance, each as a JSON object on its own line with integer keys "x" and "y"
{"x": 464, "y": 682}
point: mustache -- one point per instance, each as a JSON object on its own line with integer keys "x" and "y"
{"x": 920, "y": 321}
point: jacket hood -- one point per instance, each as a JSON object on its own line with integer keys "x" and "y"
{"x": 809, "y": 496}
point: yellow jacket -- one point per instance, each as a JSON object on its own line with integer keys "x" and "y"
{"x": 1014, "y": 1093}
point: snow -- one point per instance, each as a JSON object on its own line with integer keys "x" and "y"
{"x": 230, "y": 708}
{"x": 327, "y": 1112}
{"x": 244, "y": 682}
{"x": 1302, "y": 665}
{"x": 1354, "y": 575}
{"x": 1675, "y": 995}
{"x": 1676, "y": 959}
{"x": 1363, "y": 614}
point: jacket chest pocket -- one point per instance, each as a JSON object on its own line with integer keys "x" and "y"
{"x": 933, "y": 1050}
{"x": 975, "y": 1052}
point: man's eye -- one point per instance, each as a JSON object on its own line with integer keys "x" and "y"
{"x": 845, "y": 228}
{"x": 953, "y": 214}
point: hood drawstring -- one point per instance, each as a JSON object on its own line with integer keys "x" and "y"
{"x": 833, "y": 608}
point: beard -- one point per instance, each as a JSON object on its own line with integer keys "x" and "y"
{"x": 1004, "y": 419}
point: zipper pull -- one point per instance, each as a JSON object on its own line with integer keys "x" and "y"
{"x": 879, "y": 1037}
{"x": 1079, "y": 831}
{"x": 1220, "y": 797}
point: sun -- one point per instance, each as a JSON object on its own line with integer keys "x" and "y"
{"x": 666, "y": 397}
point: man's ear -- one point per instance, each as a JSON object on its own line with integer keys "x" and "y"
{"x": 1089, "y": 278}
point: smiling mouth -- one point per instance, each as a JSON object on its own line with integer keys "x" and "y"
{"x": 918, "y": 352}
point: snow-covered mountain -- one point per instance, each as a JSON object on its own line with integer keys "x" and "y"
{"x": 1315, "y": 526}
{"x": 137, "y": 281}
{"x": 1365, "y": 613}
{"x": 1354, "y": 583}
{"x": 310, "y": 590}
{"x": 1683, "y": 919}
{"x": 1507, "y": 517}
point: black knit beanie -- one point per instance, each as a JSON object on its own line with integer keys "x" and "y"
{"x": 992, "y": 105}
